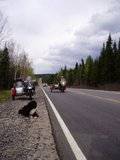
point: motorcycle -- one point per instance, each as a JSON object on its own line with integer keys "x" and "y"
{"x": 29, "y": 90}
{"x": 61, "y": 86}
{"x": 22, "y": 88}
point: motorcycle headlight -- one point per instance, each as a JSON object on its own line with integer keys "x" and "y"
{"x": 63, "y": 83}
{"x": 29, "y": 87}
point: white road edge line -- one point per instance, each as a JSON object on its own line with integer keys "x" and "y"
{"x": 73, "y": 144}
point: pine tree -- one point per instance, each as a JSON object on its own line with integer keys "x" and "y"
{"x": 102, "y": 70}
{"x": 117, "y": 64}
{"x": 71, "y": 77}
{"x": 95, "y": 73}
{"x": 101, "y": 65}
{"x": 76, "y": 74}
{"x": 89, "y": 70}
{"x": 4, "y": 68}
{"x": 115, "y": 52}
{"x": 109, "y": 61}
{"x": 82, "y": 72}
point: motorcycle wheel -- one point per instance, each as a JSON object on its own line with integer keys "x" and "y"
{"x": 62, "y": 89}
{"x": 30, "y": 95}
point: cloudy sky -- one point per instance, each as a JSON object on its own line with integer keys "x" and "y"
{"x": 56, "y": 33}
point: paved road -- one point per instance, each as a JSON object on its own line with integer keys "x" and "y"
{"x": 93, "y": 118}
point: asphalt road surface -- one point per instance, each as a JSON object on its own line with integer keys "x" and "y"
{"x": 93, "y": 118}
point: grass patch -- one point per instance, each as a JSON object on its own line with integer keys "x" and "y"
{"x": 4, "y": 95}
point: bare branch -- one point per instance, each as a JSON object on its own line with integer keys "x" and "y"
{"x": 3, "y": 28}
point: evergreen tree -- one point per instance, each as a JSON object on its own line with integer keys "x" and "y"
{"x": 82, "y": 72}
{"x": 115, "y": 52}
{"x": 95, "y": 73}
{"x": 101, "y": 65}
{"x": 4, "y": 68}
{"x": 117, "y": 64}
{"x": 70, "y": 81}
{"x": 76, "y": 74}
{"x": 89, "y": 70}
{"x": 109, "y": 61}
{"x": 102, "y": 70}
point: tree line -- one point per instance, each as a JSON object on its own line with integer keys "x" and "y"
{"x": 13, "y": 66}
{"x": 105, "y": 69}
{"x": 14, "y": 62}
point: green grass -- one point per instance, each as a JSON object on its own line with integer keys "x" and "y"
{"x": 4, "y": 95}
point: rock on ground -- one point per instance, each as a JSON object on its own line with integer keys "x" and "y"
{"x": 24, "y": 138}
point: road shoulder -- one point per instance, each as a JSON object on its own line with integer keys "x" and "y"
{"x": 26, "y": 138}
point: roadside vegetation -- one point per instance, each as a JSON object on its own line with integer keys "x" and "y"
{"x": 13, "y": 66}
{"x": 101, "y": 72}
{"x": 14, "y": 62}
{"x": 4, "y": 95}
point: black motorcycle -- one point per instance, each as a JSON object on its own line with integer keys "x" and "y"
{"x": 29, "y": 90}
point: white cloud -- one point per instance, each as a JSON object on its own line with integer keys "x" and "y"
{"x": 89, "y": 39}
{"x": 58, "y": 32}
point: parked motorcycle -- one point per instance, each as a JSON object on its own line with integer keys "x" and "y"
{"x": 29, "y": 90}
{"x": 21, "y": 88}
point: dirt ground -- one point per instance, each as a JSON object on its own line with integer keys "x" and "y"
{"x": 23, "y": 138}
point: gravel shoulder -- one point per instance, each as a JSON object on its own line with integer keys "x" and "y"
{"x": 24, "y": 138}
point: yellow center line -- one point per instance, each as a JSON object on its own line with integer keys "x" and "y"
{"x": 108, "y": 99}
